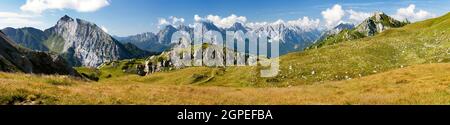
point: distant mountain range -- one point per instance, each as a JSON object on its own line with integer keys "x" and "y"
{"x": 80, "y": 42}
{"x": 292, "y": 38}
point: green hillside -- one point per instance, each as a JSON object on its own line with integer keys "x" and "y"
{"x": 408, "y": 65}
{"x": 422, "y": 84}
{"x": 419, "y": 43}
{"x": 369, "y": 27}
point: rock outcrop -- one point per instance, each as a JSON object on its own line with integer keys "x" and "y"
{"x": 85, "y": 44}
{"x": 378, "y": 23}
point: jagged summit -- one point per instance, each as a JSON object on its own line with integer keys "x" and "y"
{"x": 377, "y": 23}
{"x": 66, "y": 18}
{"x": 84, "y": 43}
{"x": 371, "y": 26}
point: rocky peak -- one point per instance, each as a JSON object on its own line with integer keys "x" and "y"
{"x": 377, "y": 23}
{"x": 165, "y": 34}
{"x": 84, "y": 43}
{"x": 379, "y": 16}
{"x": 66, "y": 18}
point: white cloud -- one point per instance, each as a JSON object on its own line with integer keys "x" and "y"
{"x": 197, "y": 18}
{"x": 176, "y": 20}
{"x": 357, "y": 17}
{"x": 14, "y": 15}
{"x": 411, "y": 14}
{"x": 172, "y": 20}
{"x": 305, "y": 22}
{"x": 222, "y": 22}
{"x": 39, "y": 6}
{"x": 18, "y": 20}
{"x": 104, "y": 29}
{"x": 163, "y": 21}
{"x": 333, "y": 15}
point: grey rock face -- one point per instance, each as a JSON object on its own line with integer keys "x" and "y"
{"x": 165, "y": 35}
{"x": 378, "y": 23}
{"x": 211, "y": 56}
{"x": 86, "y": 44}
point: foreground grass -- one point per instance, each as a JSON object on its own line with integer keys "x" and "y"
{"x": 421, "y": 84}
{"x": 422, "y": 42}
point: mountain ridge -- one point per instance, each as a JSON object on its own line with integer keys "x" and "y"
{"x": 371, "y": 26}
{"x": 14, "y": 58}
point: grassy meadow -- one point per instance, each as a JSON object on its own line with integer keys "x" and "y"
{"x": 408, "y": 65}
{"x": 419, "y": 84}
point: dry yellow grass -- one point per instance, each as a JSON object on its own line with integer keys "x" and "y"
{"x": 420, "y": 84}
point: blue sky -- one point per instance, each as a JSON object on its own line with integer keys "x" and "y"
{"x": 128, "y": 17}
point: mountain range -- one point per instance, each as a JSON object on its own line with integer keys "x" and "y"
{"x": 292, "y": 38}
{"x": 83, "y": 43}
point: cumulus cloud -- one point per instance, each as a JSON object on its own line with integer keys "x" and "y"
{"x": 305, "y": 22}
{"x": 197, "y": 18}
{"x": 172, "y": 20}
{"x": 39, "y": 6}
{"x": 333, "y": 15}
{"x": 357, "y": 17}
{"x": 17, "y": 20}
{"x": 222, "y": 22}
{"x": 163, "y": 22}
{"x": 176, "y": 20}
{"x": 412, "y": 14}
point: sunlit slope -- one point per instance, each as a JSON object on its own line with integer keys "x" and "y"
{"x": 418, "y": 84}
{"x": 418, "y": 43}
